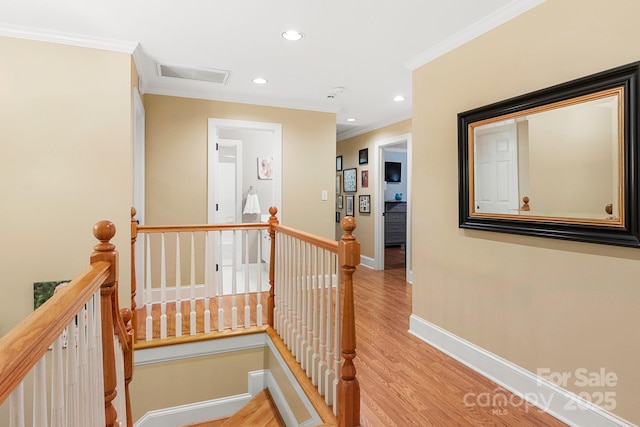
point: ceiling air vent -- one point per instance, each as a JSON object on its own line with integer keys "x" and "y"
{"x": 203, "y": 74}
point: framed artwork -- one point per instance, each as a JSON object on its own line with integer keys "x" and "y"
{"x": 265, "y": 167}
{"x": 349, "y": 202}
{"x": 365, "y": 204}
{"x": 363, "y": 156}
{"x": 337, "y": 216}
{"x": 349, "y": 180}
{"x": 339, "y": 163}
{"x": 340, "y": 202}
{"x": 365, "y": 179}
{"x": 338, "y": 184}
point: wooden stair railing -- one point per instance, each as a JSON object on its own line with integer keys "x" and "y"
{"x": 72, "y": 308}
{"x": 309, "y": 304}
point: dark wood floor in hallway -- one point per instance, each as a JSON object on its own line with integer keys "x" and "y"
{"x": 406, "y": 382}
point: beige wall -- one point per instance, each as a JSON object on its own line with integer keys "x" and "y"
{"x": 176, "y": 160}
{"x": 539, "y": 303}
{"x": 192, "y": 380}
{"x": 348, "y": 149}
{"x": 66, "y": 134}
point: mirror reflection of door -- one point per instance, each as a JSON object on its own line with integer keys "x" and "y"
{"x": 496, "y": 170}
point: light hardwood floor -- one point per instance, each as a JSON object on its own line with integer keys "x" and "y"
{"x": 406, "y": 382}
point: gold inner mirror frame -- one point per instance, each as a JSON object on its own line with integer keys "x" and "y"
{"x": 558, "y": 162}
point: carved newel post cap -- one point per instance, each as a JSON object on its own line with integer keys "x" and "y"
{"x": 348, "y": 224}
{"x": 133, "y": 212}
{"x": 104, "y": 231}
{"x": 273, "y": 210}
{"x": 525, "y": 199}
{"x": 609, "y": 208}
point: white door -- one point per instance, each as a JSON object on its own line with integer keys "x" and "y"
{"x": 496, "y": 170}
{"x": 228, "y": 183}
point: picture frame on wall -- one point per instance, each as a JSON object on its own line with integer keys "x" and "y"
{"x": 338, "y": 184}
{"x": 349, "y": 202}
{"x": 349, "y": 180}
{"x": 265, "y": 167}
{"x": 338, "y": 217}
{"x": 338, "y": 163}
{"x": 365, "y": 204}
{"x": 363, "y": 156}
{"x": 340, "y": 206}
{"x": 364, "y": 181}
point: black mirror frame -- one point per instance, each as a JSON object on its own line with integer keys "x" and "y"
{"x": 627, "y": 77}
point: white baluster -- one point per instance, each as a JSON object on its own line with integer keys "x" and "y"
{"x": 96, "y": 367}
{"x": 57, "y": 383}
{"x": 297, "y": 292}
{"x": 247, "y": 273}
{"x": 277, "y": 310}
{"x": 207, "y": 282}
{"x": 178, "y": 288}
{"x": 16, "y": 406}
{"x": 309, "y": 309}
{"x": 316, "y": 317}
{"x": 148, "y": 294}
{"x": 220, "y": 282}
{"x": 83, "y": 368}
{"x": 192, "y": 288}
{"x": 40, "y": 393}
{"x": 234, "y": 284}
{"x": 289, "y": 292}
{"x": 331, "y": 297}
{"x": 323, "y": 322}
{"x": 163, "y": 289}
{"x": 119, "y": 402}
{"x": 259, "y": 290}
{"x": 73, "y": 392}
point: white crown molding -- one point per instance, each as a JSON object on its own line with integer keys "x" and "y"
{"x": 28, "y": 33}
{"x": 499, "y": 17}
{"x": 350, "y": 133}
{"x": 202, "y": 94}
{"x": 539, "y": 392}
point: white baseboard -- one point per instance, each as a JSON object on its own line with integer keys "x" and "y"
{"x": 194, "y": 412}
{"x": 539, "y": 392}
{"x": 367, "y": 261}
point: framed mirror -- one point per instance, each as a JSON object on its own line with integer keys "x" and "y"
{"x": 561, "y": 162}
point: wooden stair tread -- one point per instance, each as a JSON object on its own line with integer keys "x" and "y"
{"x": 261, "y": 411}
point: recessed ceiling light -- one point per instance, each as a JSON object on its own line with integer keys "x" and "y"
{"x": 260, "y": 81}
{"x": 398, "y": 98}
{"x": 351, "y": 119}
{"x": 292, "y": 35}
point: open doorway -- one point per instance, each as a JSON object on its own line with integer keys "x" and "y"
{"x": 393, "y": 223}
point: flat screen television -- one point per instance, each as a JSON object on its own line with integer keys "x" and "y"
{"x": 392, "y": 171}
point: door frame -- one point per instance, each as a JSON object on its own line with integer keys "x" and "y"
{"x": 379, "y": 208}
{"x": 215, "y": 125}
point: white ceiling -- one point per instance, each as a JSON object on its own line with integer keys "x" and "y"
{"x": 366, "y": 47}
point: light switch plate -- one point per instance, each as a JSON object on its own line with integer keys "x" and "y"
{"x": 325, "y": 195}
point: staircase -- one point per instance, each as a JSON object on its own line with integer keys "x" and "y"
{"x": 261, "y": 411}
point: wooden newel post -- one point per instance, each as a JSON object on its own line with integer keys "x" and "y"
{"x": 105, "y": 251}
{"x": 348, "y": 386}
{"x": 273, "y": 220}
{"x": 134, "y": 285}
